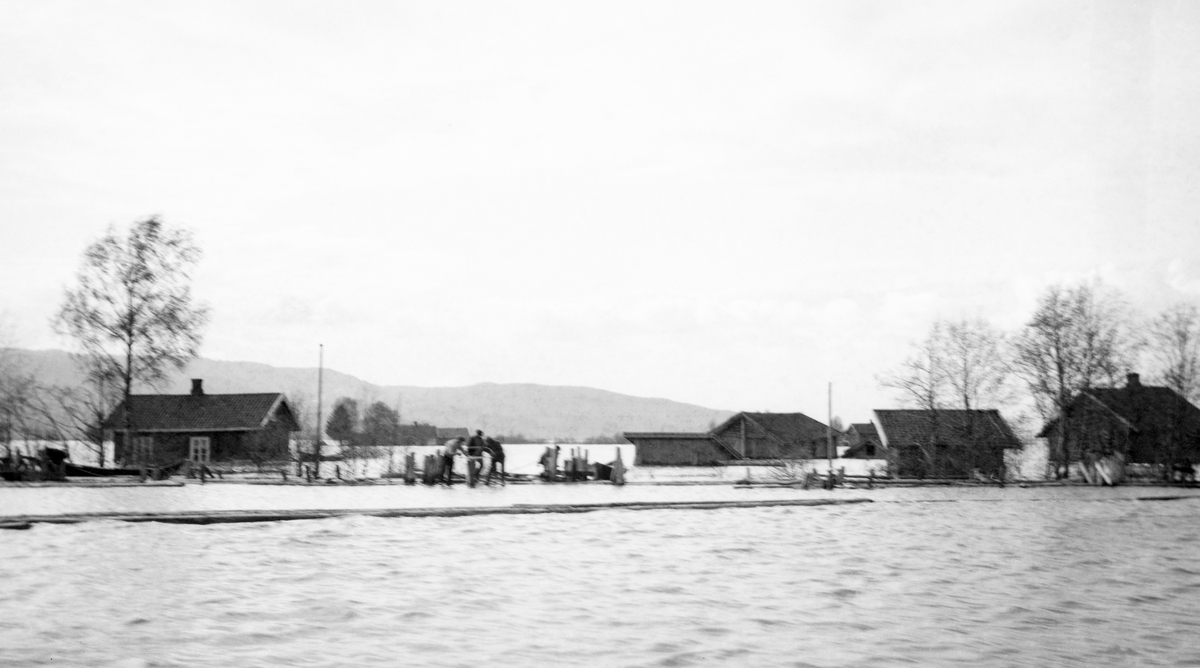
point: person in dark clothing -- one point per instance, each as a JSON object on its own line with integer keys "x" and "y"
{"x": 497, "y": 452}
{"x": 476, "y": 444}
{"x": 453, "y": 447}
{"x": 475, "y": 448}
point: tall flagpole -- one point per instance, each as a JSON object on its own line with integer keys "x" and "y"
{"x": 320, "y": 383}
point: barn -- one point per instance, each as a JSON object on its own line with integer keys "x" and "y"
{"x": 952, "y": 443}
{"x": 745, "y": 436}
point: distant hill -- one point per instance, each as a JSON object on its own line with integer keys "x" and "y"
{"x": 536, "y": 411}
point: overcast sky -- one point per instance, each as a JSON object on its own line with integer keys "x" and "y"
{"x": 722, "y": 203}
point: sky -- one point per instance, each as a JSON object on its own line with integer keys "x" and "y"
{"x": 723, "y": 203}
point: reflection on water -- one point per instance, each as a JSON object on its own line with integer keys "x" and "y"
{"x": 983, "y": 579}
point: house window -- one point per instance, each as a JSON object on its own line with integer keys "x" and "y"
{"x": 143, "y": 448}
{"x": 199, "y": 450}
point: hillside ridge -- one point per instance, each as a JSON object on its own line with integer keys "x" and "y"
{"x": 535, "y": 410}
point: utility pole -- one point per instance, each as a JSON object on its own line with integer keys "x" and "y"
{"x": 829, "y": 431}
{"x": 320, "y": 430}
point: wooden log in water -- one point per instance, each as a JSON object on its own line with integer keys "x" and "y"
{"x": 241, "y": 516}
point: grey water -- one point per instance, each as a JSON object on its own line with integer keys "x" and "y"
{"x": 984, "y": 577}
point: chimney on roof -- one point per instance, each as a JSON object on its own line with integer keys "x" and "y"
{"x": 197, "y": 387}
{"x": 1132, "y": 381}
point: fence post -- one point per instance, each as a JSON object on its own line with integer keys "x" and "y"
{"x": 618, "y": 470}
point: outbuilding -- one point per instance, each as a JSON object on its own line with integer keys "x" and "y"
{"x": 952, "y": 443}
{"x": 745, "y": 436}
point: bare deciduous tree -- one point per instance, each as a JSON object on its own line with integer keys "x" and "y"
{"x": 960, "y": 364}
{"x": 131, "y": 313}
{"x": 1077, "y": 338}
{"x": 20, "y": 395}
{"x": 921, "y": 382}
{"x": 17, "y": 395}
{"x": 921, "y": 378}
{"x": 79, "y": 411}
{"x": 1173, "y": 342}
{"x": 975, "y": 367}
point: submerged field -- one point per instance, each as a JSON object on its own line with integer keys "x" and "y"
{"x": 1059, "y": 576}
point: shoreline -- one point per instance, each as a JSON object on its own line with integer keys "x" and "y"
{"x": 879, "y": 483}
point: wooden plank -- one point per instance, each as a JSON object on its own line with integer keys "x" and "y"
{"x": 226, "y": 517}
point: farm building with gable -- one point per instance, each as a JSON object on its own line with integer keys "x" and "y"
{"x": 944, "y": 443}
{"x": 745, "y": 436}
{"x": 1144, "y": 424}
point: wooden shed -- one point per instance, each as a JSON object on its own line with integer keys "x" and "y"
{"x": 745, "y": 436}
{"x": 951, "y": 443}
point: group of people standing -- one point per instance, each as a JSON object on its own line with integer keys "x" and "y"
{"x": 474, "y": 449}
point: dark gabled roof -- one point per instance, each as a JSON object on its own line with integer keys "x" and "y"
{"x": 650, "y": 435}
{"x": 864, "y": 429}
{"x": 904, "y": 428}
{"x": 1140, "y": 406}
{"x": 416, "y": 434}
{"x": 788, "y": 427}
{"x": 205, "y": 412}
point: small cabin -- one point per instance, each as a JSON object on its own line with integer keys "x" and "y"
{"x": 863, "y": 441}
{"x": 167, "y": 428}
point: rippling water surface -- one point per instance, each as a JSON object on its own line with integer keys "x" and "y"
{"x": 982, "y": 579}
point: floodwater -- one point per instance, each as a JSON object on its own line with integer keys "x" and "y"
{"x": 981, "y": 577}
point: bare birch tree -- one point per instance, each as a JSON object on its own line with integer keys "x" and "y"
{"x": 131, "y": 313}
{"x": 921, "y": 382}
{"x": 976, "y": 371}
{"x": 960, "y": 364}
{"x": 78, "y": 412}
{"x": 1078, "y": 338}
{"x": 921, "y": 378}
{"x": 17, "y": 390}
{"x": 1173, "y": 342}
{"x": 975, "y": 366}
